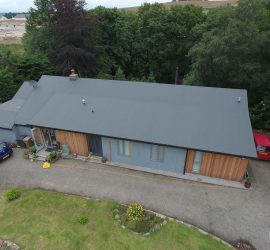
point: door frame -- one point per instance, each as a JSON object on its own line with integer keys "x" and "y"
{"x": 37, "y": 129}
{"x": 100, "y": 148}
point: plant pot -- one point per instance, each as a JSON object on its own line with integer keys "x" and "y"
{"x": 247, "y": 184}
{"x": 26, "y": 157}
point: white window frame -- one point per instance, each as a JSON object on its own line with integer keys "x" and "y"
{"x": 124, "y": 147}
{"x": 197, "y": 163}
{"x": 157, "y": 156}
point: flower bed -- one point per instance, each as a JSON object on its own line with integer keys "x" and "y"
{"x": 148, "y": 223}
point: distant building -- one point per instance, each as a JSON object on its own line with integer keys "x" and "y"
{"x": 20, "y": 17}
{"x": 2, "y": 18}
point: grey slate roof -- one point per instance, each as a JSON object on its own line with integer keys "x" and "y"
{"x": 209, "y": 119}
{"x": 9, "y": 110}
{"x": 21, "y": 15}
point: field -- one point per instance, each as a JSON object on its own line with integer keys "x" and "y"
{"x": 203, "y": 4}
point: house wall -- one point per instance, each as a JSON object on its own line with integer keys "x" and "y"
{"x": 10, "y": 135}
{"x": 22, "y": 130}
{"x": 219, "y": 165}
{"x": 7, "y": 135}
{"x": 77, "y": 141}
{"x": 174, "y": 158}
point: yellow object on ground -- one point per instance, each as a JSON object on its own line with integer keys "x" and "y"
{"x": 46, "y": 165}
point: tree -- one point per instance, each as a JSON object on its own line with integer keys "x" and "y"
{"x": 234, "y": 51}
{"x": 39, "y": 36}
{"x": 7, "y": 86}
{"x": 9, "y": 15}
{"x": 260, "y": 114}
{"x": 115, "y": 36}
{"x": 15, "y": 69}
{"x": 31, "y": 67}
{"x": 72, "y": 28}
{"x": 165, "y": 36}
{"x": 151, "y": 42}
{"x": 62, "y": 30}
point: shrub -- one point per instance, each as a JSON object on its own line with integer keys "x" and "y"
{"x": 32, "y": 150}
{"x": 13, "y": 194}
{"x": 104, "y": 159}
{"x": 49, "y": 158}
{"x": 135, "y": 212}
{"x": 53, "y": 154}
{"x": 150, "y": 222}
{"x": 82, "y": 219}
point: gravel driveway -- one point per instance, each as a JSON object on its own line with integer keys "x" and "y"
{"x": 227, "y": 212}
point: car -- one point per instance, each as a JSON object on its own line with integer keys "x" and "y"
{"x": 262, "y": 142}
{"x": 5, "y": 151}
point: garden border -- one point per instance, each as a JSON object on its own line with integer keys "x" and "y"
{"x": 192, "y": 226}
{"x": 167, "y": 218}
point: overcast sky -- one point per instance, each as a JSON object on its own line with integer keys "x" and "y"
{"x": 24, "y": 5}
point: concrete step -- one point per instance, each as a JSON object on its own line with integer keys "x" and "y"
{"x": 95, "y": 159}
{"x": 40, "y": 158}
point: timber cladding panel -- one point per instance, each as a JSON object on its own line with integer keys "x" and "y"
{"x": 77, "y": 141}
{"x": 219, "y": 165}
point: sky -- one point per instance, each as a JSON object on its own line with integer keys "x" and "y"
{"x": 24, "y": 5}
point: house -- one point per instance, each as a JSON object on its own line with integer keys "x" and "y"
{"x": 160, "y": 128}
{"x": 20, "y": 17}
{"x": 2, "y": 17}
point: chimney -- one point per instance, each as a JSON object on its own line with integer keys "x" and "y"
{"x": 73, "y": 76}
{"x": 176, "y": 79}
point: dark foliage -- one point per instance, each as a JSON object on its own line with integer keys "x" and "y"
{"x": 15, "y": 69}
{"x": 72, "y": 26}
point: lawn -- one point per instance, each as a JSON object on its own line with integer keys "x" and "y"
{"x": 48, "y": 220}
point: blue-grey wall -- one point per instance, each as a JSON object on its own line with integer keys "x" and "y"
{"x": 7, "y": 135}
{"x": 11, "y": 135}
{"x": 21, "y": 130}
{"x": 174, "y": 158}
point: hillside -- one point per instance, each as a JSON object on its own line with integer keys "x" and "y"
{"x": 200, "y": 3}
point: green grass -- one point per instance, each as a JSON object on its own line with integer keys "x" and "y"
{"x": 16, "y": 49}
{"x": 48, "y": 220}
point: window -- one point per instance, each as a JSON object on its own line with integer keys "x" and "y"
{"x": 124, "y": 147}
{"x": 157, "y": 153}
{"x": 196, "y": 168}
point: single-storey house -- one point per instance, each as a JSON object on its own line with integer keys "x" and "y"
{"x": 162, "y": 128}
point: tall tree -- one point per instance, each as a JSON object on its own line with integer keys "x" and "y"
{"x": 115, "y": 35}
{"x": 165, "y": 36}
{"x": 151, "y": 42}
{"x": 73, "y": 27}
{"x": 234, "y": 51}
{"x": 17, "y": 68}
{"x": 260, "y": 114}
{"x": 7, "y": 86}
{"x": 39, "y": 34}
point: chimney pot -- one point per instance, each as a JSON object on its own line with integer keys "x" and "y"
{"x": 73, "y": 76}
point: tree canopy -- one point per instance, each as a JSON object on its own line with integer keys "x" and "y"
{"x": 17, "y": 68}
{"x": 234, "y": 51}
{"x": 62, "y": 29}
